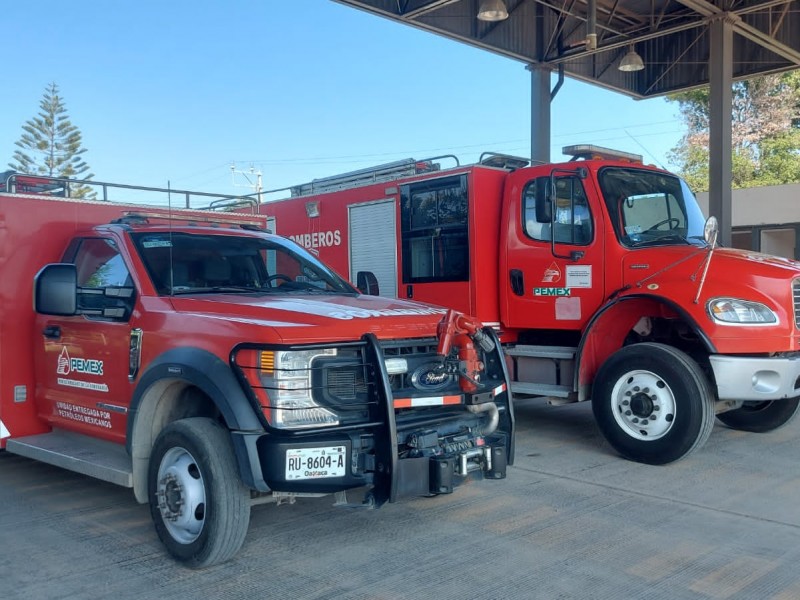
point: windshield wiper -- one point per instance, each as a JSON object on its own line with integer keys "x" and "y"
{"x": 305, "y": 289}
{"x": 662, "y": 240}
{"x": 236, "y": 288}
{"x": 217, "y": 289}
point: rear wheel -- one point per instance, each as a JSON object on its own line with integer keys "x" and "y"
{"x": 200, "y": 508}
{"x": 653, "y": 403}
{"x": 761, "y": 417}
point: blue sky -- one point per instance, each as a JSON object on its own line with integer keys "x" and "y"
{"x": 177, "y": 91}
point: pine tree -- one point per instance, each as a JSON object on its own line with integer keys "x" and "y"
{"x": 765, "y": 135}
{"x": 51, "y": 145}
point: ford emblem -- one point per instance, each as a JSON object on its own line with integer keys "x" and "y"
{"x": 430, "y": 377}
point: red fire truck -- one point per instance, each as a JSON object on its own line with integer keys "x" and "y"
{"x": 600, "y": 273}
{"x": 207, "y": 364}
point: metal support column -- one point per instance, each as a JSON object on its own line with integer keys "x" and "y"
{"x": 720, "y": 195}
{"x": 540, "y": 114}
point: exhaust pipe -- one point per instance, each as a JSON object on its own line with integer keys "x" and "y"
{"x": 494, "y": 416}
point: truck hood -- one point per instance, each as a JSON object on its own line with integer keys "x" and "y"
{"x": 676, "y": 273}
{"x": 729, "y": 266}
{"x": 781, "y": 267}
{"x": 314, "y": 318}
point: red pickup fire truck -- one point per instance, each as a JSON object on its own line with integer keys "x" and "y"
{"x": 599, "y": 274}
{"x": 208, "y": 365}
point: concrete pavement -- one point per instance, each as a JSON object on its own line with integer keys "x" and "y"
{"x": 572, "y": 520}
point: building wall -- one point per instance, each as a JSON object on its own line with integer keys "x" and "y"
{"x": 768, "y": 205}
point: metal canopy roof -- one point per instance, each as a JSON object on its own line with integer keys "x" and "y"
{"x": 672, "y": 36}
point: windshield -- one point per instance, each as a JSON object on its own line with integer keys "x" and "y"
{"x": 649, "y": 208}
{"x": 188, "y": 263}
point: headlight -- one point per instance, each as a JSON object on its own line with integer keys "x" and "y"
{"x": 740, "y": 312}
{"x": 286, "y": 379}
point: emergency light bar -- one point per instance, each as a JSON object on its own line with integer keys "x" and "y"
{"x": 134, "y": 217}
{"x": 592, "y": 152}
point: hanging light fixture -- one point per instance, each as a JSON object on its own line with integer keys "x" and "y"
{"x": 631, "y": 61}
{"x": 492, "y": 10}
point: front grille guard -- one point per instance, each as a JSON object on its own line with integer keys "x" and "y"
{"x": 380, "y": 413}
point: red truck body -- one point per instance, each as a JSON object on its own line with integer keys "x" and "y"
{"x": 204, "y": 362}
{"x": 598, "y": 274}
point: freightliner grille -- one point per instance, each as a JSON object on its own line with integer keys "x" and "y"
{"x": 796, "y": 299}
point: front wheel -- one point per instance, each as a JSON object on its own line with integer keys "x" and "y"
{"x": 761, "y": 417}
{"x": 653, "y": 403}
{"x": 200, "y": 508}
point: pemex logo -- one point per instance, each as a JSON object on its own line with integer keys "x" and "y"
{"x": 552, "y": 274}
{"x": 67, "y": 365}
{"x": 63, "y": 362}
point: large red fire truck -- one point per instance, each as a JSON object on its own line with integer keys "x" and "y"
{"x": 600, "y": 273}
{"x": 207, "y": 364}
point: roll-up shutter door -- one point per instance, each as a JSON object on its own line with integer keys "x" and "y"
{"x": 373, "y": 243}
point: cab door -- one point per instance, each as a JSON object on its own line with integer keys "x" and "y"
{"x": 82, "y": 361}
{"x": 554, "y": 251}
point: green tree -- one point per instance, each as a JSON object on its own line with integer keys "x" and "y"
{"x": 51, "y": 145}
{"x": 765, "y": 133}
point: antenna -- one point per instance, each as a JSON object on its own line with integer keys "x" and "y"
{"x": 658, "y": 162}
{"x": 171, "y": 268}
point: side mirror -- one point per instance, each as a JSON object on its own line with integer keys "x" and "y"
{"x": 367, "y": 283}
{"x": 55, "y": 290}
{"x": 711, "y": 231}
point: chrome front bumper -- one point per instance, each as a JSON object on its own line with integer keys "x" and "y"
{"x": 754, "y": 379}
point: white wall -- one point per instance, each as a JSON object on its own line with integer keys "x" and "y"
{"x": 768, "y": 205}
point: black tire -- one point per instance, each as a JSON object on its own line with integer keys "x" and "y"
{"x": 761, "y": 417}
{"x": 653, "y": 403}
{"x": 193, "y": 465}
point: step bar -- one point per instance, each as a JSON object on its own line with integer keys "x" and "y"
{"x": 79, "y": 453}
{"x": 519, "y": 388}
{"x": 557, "y": 393}
{"x": 554, "y": 352}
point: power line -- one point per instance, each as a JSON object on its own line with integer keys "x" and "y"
{"x": 377, "y": 155}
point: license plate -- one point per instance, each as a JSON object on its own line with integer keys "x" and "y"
{"x": 315, "y": 463}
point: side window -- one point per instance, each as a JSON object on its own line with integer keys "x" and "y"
{"x": 571, "y": 223}
{"x": 100, "y": 266}
{"x": 435, "y": 231}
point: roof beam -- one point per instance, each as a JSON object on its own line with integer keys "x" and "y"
{"x": 702, "y": 7}
{"x": 751, "y": 33}
{"x": 627, "y": 42}
{"x": 768, "y": 42}
{"x": 759, "y": 7}
{"x": 435, "y": 5}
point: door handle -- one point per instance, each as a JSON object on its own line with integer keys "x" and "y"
{"x": 517, "y": 282}
{"x": 52, "y": 331}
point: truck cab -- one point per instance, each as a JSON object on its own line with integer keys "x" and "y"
{"x": 615, "y": 261}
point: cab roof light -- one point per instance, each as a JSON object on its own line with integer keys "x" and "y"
{"x": 592, "y": 152}
{"x": 194, "y": 218}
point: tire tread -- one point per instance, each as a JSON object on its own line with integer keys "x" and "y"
{"x": 228, "y": 513}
